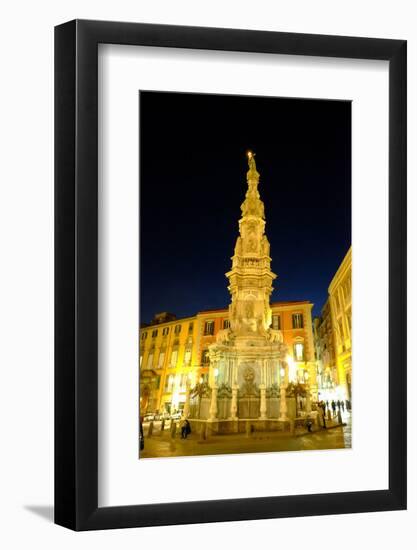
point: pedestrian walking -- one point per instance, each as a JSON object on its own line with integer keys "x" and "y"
{"x": 343, "y": 406}
{"x": 333, "y": 407}
{"x": 309, "y": 424}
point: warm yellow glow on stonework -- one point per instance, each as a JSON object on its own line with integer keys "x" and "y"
{"x": 332, "y": 335}
{"x": 255, "y": 359}
{"x": 160, "y": 348}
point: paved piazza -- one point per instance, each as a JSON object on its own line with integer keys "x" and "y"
{"x": 336, "y": 437}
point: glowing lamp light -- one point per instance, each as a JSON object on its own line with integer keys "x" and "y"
{"x": 216, "y": 373}
{"x": 282, "y": 371}
{"x": 250, "y": 154}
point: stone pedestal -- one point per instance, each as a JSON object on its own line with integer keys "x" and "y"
{"x": 233, "y": 406}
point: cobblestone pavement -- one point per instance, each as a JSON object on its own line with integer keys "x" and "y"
{"x": 162, "y": 445}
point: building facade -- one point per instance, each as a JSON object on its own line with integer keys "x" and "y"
{"x": 173, "y": 350}
{"x": 340, "y": 298}
{"x": 332, "y": 336}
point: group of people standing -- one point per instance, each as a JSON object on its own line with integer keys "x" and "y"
{"x": 335, "y": 406}
{"x": 333, "y": 409}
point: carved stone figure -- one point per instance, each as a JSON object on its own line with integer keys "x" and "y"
{"x": 249, "y": 309}
{"x": 224, "y": 336}
{"x": 265, "y": 246}
{"x": 249, "y": 387}
{"x": 275, "y": 335}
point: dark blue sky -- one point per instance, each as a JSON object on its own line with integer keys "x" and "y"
{"x": 193, "y": 180}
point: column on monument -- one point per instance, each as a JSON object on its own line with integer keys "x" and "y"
{"x": 234, "y": 372}
{"x": 262, "y": 408}
{"x": 212, "y": 372}
{"x": 283, "y": 408}
{"x": 233, "y": 406}
{"x": 213, "y": 404}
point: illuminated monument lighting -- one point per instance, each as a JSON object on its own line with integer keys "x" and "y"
{"x": 248, "y": 374}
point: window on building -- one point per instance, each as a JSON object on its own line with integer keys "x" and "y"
{"x": 155, "y": 333}
{"x": 276, "y": 322}
{"x": 149, "y": 363}
{"x": 349, "y": 320}
{"x": 183, "y": 382}
{"x": 209, "y": 328}
{"x": 157, "y": 382}
{"x": 161, "y": 359}
{"x": 174, "y": 358}
{"x": 177, "y": 329}
{"x": 187, "y": 356}
{"x": 297, "y": 320}
{"x": 226, "y": 323}
{"x": 169, "y": 382}
{"x": 140, "y": 360}
{"x": 190, "y": 328}
{"x": 165, "y": 331}
{"x": 342, "y": 336}
{"x": 299, "y": 351}
{"x": 144, "y": 335}
{"x": 205, "y": 357}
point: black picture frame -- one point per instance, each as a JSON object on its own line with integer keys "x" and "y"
{"x": 76, "y": 273}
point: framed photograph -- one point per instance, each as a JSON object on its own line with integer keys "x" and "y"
{"x": 230, "y": 338}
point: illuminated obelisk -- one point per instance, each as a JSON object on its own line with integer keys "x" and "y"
{"x": 248, "y": 358}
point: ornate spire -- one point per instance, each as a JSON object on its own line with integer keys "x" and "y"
{"x": 252, "y": 174}
{"x": 252, "y": 205}
{"x": 251, "y": 277}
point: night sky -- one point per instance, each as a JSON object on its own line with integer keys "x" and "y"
{"x": 193, "y": 168}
